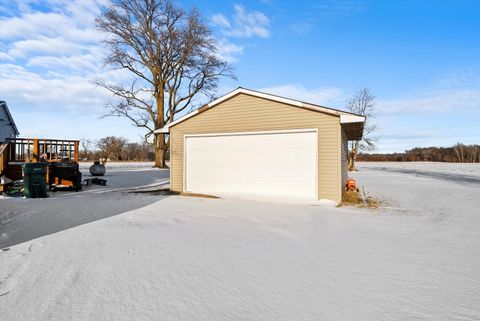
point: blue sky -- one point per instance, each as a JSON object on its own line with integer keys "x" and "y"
{"x": 421, "y": 59}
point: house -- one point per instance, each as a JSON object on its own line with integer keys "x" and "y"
{"x": 257, "y": 143}
{"x": 8, "y": 129}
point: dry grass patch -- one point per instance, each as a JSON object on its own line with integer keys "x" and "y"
{"x": 352, "y": 198}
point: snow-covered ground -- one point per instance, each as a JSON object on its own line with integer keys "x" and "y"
{"x": 184, "y": 258}
{"x": 84, "y": 166}
{"x": 24, "y": 219}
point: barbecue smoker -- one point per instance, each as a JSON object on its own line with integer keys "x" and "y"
{"x": 64, "y": 174}
{"x": 63, "y": 171}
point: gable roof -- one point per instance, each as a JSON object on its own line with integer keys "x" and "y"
{"x": 3, "y": 105}
{"x": 345, "y": 117}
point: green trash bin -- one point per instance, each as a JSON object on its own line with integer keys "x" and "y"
{"x": 34, "y": 182}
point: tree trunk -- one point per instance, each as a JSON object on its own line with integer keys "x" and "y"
{"x": 160, "y": 151}
{"x": 159, "y": 139}
{"x": 352, "y": 157}
{"x": 159, "y": 157}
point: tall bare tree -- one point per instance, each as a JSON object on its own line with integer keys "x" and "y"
{"x": 362, "y": 103}
{"x": 172, "y": 56}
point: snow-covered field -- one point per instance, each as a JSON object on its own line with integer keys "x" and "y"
{"x": 468, "y": 169}
{"x": 182, "y": 258}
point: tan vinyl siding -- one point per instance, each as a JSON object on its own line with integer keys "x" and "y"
{"x": 344, "y": 159}
{"x": 243, "y": 113}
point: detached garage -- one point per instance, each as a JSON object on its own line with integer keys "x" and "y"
{"x": 250, "y": 142}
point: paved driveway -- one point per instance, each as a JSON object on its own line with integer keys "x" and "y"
{"x": 25, "y": 219}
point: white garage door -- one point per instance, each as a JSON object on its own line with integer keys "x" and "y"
{"x": 267, "y": 163}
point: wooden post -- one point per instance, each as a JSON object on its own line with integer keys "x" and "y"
{"x": 36, "y": 150}
{"x": 75, "y": 151}
{"x": 3, "y": 159}
{"x": 12, "y": 151}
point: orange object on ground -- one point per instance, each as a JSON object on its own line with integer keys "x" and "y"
{"x": 351, "y": 184}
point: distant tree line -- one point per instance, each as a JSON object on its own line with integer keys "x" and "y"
{"x": 459, "y": 153}
{"x": 115, "y": 149}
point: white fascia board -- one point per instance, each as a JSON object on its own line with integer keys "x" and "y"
{"x": 345, "y": 119}
{"x": 165, "y": 129}
{"x": 224, "y": 97}
{"x": 257, "y": 94}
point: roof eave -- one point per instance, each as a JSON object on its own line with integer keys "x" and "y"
{"x": 353, "y": 130}
{"x": 345, "y": 117}
{"x": 12, "y": 122}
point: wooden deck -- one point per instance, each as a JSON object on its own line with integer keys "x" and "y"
{"x": 20, "y": 150}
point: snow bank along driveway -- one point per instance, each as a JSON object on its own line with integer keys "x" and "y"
{"x": 223, "y": 259}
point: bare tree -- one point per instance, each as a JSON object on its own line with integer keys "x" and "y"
{"x": 137, "y": 151}
{"x": 460, "y": 152}
{"x": 172, "y": 56}
{"x": 111, "y": 147}
{"x": 472, "y": 151}
{"x": 86, "y": 146}
{"x": 362, "y": 103}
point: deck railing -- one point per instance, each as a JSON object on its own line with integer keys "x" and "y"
{"x": 36, "y": 150}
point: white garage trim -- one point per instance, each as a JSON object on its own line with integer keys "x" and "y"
{"x": 251, "y": 133}
{"x": 286, "y": 131}
{"x": 347, "y": 119}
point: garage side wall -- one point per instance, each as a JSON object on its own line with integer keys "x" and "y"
{"x": 344, "y": 159}
{"x": 244, "y": 113}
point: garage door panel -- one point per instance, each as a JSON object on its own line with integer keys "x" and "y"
{"x": 281, "y": 164}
